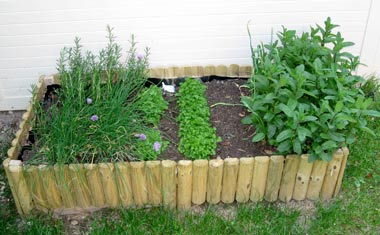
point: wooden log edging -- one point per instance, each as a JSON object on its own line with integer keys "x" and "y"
{"x": 170, "y": 184}
{"x": 85, "y": 187}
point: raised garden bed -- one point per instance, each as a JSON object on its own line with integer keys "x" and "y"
{"x": 77, "y": 187}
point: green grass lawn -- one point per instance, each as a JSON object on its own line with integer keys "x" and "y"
{"x": 355, "y": 211}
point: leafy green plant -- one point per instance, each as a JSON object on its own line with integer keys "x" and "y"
{"x": 197, "y": 137}
{"x": 152, "y": 104}
{"x": 371, "y": 89}
{"x": 99, "y": 108}
{"x": 305, "y": 97}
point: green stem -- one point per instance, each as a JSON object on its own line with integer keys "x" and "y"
{"x": 224, "y": 104}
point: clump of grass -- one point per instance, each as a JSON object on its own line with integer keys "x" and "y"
{"x": 101, "y": 108}
{"x": 254, "y": 219}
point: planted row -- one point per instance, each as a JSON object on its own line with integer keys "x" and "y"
{"x": 197, "y": 137}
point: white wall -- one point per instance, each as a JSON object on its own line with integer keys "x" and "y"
{"x": 188, "y": 32}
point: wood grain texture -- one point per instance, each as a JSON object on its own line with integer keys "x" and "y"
{"x": 276, "y": 165}
{"x": 139, "y": 184}
{"x": 288, "y": 178}
{"x": 214, "y": 181}
{"x": 108, "y": 179}
{"x": 185, "y": 176}
{"x": 17, "y": 182}
{"x": 317, "y": 177}
{"x": 94, "y": 179}
{"x": 154, "y": 182}
{"x": 332, "y": 174}
{"x": 34, "y": 182}
{"x": 302, "y": 178}
{"x": 200, "y": 171}
{"x": 169, "y": 183}
{"x": 259, "y": 178}
{"x": 64, "y": 184}
{"x": 244, "y": 182}
{"x": 124, "y": 183}
{"x": 230, "y": 174}
{"x": 80, "y": 186}
{"x": 346, "y": 152}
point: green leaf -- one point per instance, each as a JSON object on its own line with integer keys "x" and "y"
{"x": 292, "y": 104}
{"x": 369, "y": 131}
{"x": 372, "y": 113}
{"x": 284, "y": 147}
{"x": 329, "y": 145}
{"x": 338, "y": 137}
{"x": 258, "y": 137}
{"x": 317, "y": 64}
{"x": 345, "y": 117}
{"x": 271, "y": 131}
{"x": 310, "y": 119}
{"x": 285, "y": 134}
{"x": 246, "y": 120}
{"x": 288, "y": 111}
{"x": 339, "y": 106}
{"x": 302, "y": 132}
{"x": 297, "y": 147}
{"x": 325, "y": 156}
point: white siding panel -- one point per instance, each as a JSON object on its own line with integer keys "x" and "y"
{"x": 370, "y": 54}
{"x": 188, "y": 32}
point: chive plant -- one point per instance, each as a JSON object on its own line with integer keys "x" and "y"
{"x": 101, "y": 109}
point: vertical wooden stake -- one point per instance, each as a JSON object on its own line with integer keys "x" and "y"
{"x": 221, "y": 70}
{"x": 18, "y": 185}
{"x": 302, "y": 178}
{"x": 331, "y": 175}
{"x": 34, "y": 182}
{"x": 154, "y": 181}
{"x": 80, "y": 186}
{"x": 230, "y": 174}
{"x": 316, "y": 180}
{"x": 95, "y": 184}
{"x": 244, "y": 179}
{"x": 214, "y": 181}
{"x": 233, "y": 71}
{"x": 139, "y": 185}
{"x": 245, "y": 71}
{"x": 200, "y": 170}
{"x": 65, "y": 186}
{"x": 346, "y": 152}
{"x": 107, "y": 177}
{"x": 169, "y": 180}
{"x": 124, "y": 183}
{"x": 209, "y": 70}
{"x": 184, "y": 184}
{"x": 187, "y": 71}
{"x": 288, "y": 178}
{"x": 276, "y": 165}
{"x": 50, "y": 185}
{"x": 259, "y": 178}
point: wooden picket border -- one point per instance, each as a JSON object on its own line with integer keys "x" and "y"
{"x": 86, "y": 187}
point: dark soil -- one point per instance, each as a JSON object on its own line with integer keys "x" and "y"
{"x": 226, "y": 113}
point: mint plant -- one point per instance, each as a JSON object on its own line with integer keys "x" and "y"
{"x": 197, "y": 137}
{"x": 305, "y": 96}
